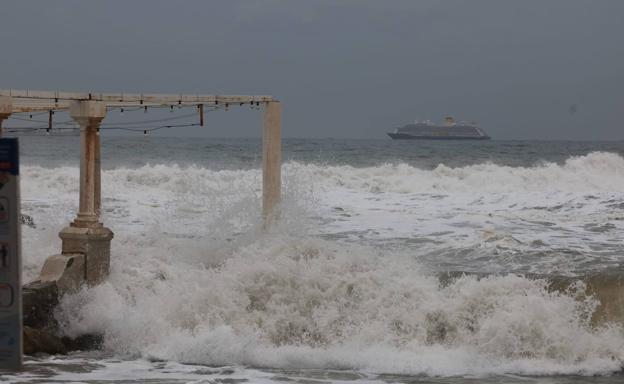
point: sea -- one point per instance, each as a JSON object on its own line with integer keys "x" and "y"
{"x": 391, "y": 262}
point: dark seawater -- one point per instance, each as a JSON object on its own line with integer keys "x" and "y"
{"x": 244, "y": 153}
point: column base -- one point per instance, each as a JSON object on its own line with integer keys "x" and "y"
{"x": 85, "y": 220}
{"x": 94, "y": 244}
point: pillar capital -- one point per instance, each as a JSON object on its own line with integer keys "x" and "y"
{"x": 87, "y": 112}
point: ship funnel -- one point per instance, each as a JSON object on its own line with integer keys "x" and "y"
{"x": 449, "y": 121}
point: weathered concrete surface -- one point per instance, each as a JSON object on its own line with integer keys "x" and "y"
{"x": 94, "y": 244}
{"x": 67, "y": 271}
{"x": 89, "y": 114}
{"x": 271, "y": 161}
{"x": 34, "y": 100}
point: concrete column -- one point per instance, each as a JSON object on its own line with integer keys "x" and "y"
{"x": 89, "y": 114}
{"x": 271, "y": 161}
{"x": 6, "y": 108}
{"x": 86, "y": 239}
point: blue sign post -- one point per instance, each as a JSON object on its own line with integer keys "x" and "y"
{"x": 10, "y": 257}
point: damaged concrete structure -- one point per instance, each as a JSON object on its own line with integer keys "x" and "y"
{"x": 86, "y": 242}
{"x": 85, "y": 251}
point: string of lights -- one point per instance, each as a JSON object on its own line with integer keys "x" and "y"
{"x": 152, "y": 121}
{"x": 216, "y": 105}
{"x": 71, "y": 122}
{"x": 70, "y": 127}
{"x": 145, "y": 130}
{"x": 68, "y": 122}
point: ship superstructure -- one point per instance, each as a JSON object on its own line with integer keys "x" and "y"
{"x": 426, "y": 130}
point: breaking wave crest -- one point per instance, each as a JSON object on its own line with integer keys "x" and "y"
{"x": 194, "y": 279}
{"x": 283, "y": 302}
{"x": 600, "y": 171}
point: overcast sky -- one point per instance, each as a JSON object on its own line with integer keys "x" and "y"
{"x": 530, "y": 69}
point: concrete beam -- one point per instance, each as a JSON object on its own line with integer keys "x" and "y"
{"x": 27, "y": 100}
{"x": 271, "y": 161}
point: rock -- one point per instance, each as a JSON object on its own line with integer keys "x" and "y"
{"x": 27, "y": 221}
{"x": 38, "y": 302}
{"x": 41, "y": 341}
{"x": 86, "y": 342}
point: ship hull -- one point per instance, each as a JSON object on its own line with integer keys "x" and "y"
{"x": 405, "y": 136}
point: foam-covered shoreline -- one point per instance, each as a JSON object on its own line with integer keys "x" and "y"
{"x": 194, "y": 280}
{"x": 292, "y": 303}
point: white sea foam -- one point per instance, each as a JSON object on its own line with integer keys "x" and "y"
{"x": 597, "y": 171}
{"x": 283, "y": 302}
{"x": 194, "y": 280}
{"x": 573, "y": 212}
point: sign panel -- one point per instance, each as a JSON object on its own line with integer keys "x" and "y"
{"x": 10, "y": 257}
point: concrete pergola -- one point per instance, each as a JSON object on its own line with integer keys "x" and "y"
{"x": 85, "y": 254}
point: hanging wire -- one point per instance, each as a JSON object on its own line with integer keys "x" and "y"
{"x": 133, "y": 129}
{"x": 69, "y": 127}
{"x": 68, "y": 122}
{"x": 153, "y": 121}
{"x": 33, "y": 114}
{"x": 151, "y": 128}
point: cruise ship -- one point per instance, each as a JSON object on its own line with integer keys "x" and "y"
{"x": 426, "y": 130}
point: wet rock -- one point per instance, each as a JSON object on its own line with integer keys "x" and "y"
{"x": 38, "y": 302}
{"x": 46, "y": 341}
{"x": 27, "y": 221}
{"x": 86, "y": 342}
{"x": 42, "y": 341}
